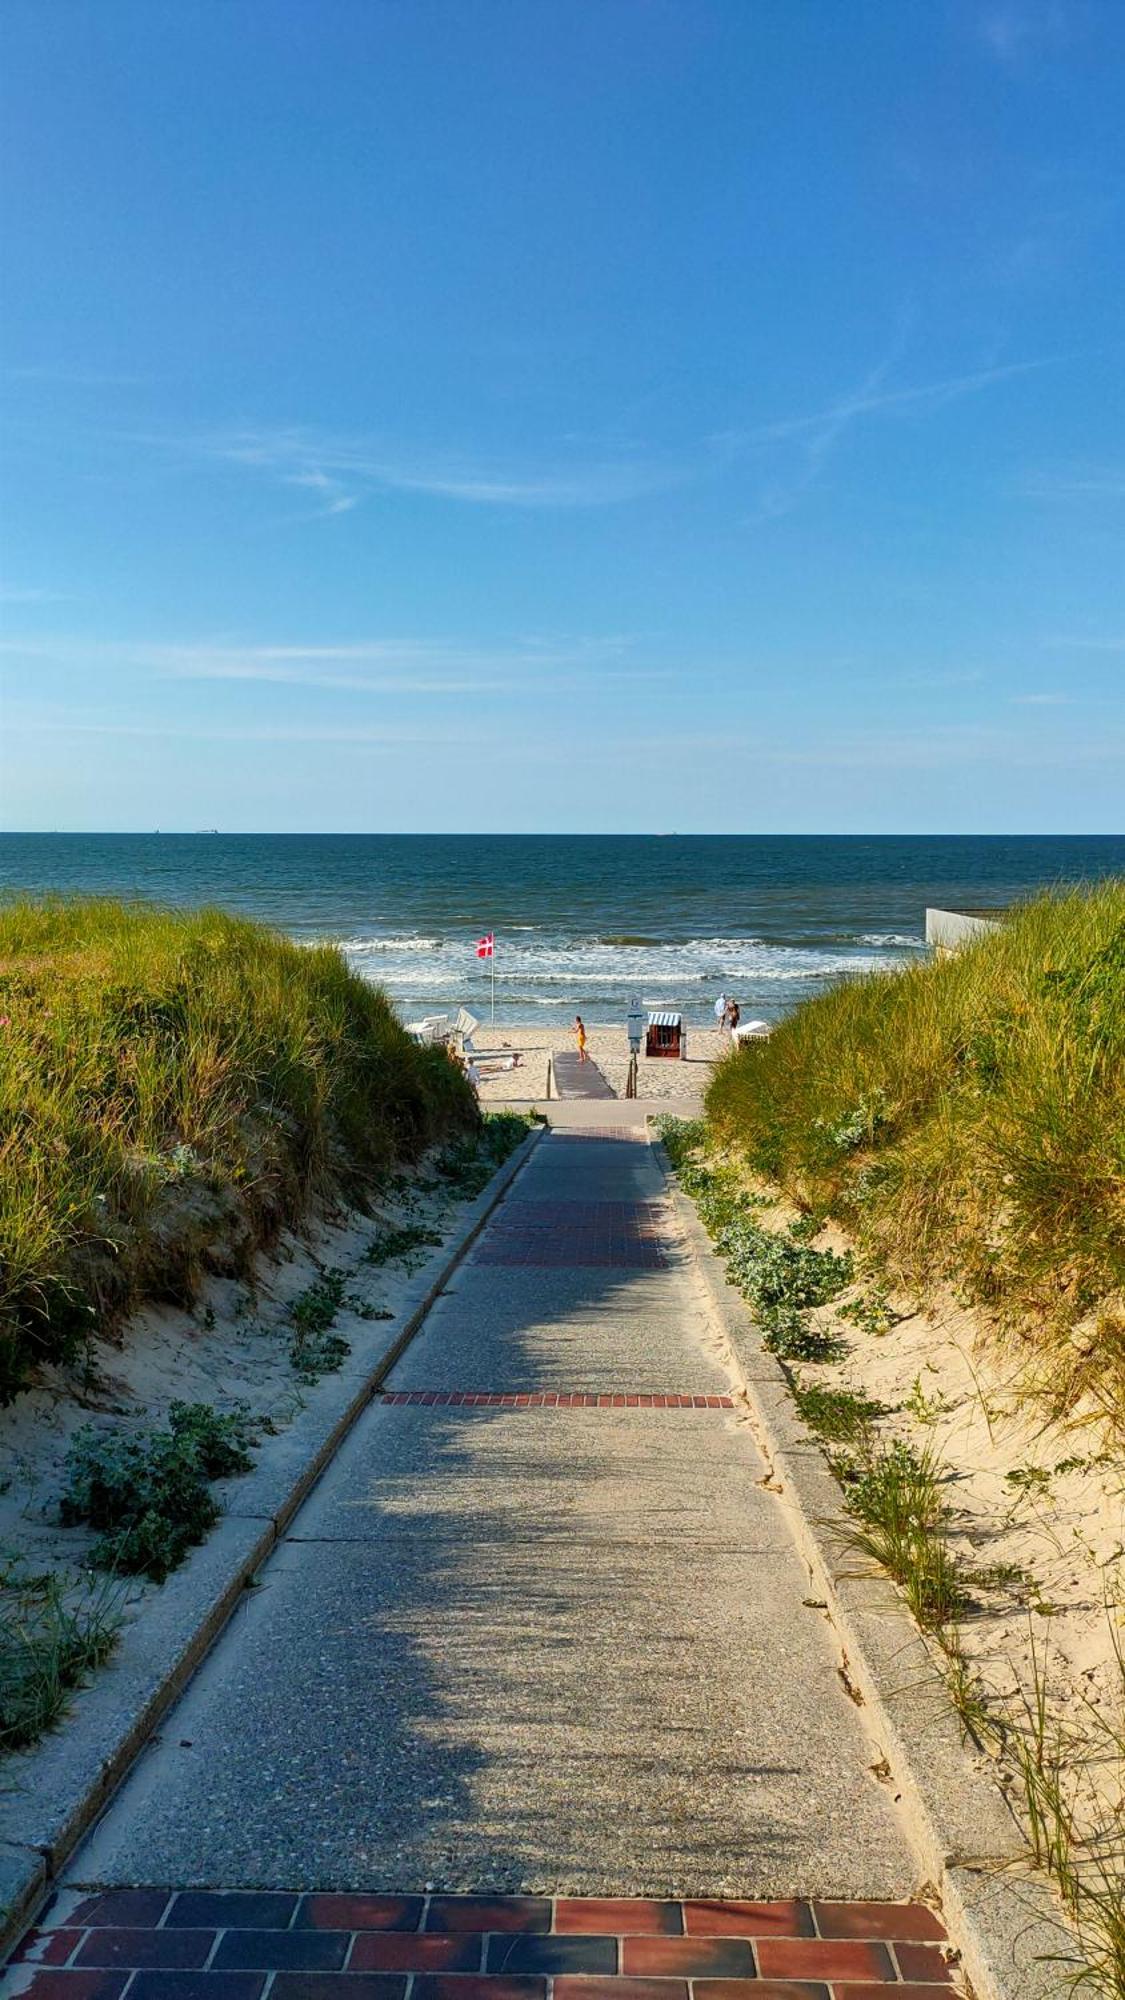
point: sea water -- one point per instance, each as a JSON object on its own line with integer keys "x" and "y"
{"x": 581, "y": 922}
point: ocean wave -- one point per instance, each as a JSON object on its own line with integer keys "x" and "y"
{"x": 574, "y": 972}
{"x": 542, "y": 970}
{"x": 362, "y": 947}
{"x": 578, "y": 975}
{"x": 892, "y": 940}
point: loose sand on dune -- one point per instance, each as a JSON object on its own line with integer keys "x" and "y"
{"x": 233, "y": 1347}
{"x": 1035, "y": 1508}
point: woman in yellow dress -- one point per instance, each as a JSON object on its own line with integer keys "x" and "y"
{"x": 580, "y": 1037}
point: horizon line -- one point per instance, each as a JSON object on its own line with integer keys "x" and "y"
{"x": 640, "y": 833}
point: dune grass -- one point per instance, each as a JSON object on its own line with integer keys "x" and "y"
{"x": 53, "y": 1633}
{"x": 174, "y": 1088}
{"x": 965, "y": 1119}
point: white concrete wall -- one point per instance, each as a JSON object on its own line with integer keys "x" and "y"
{"x": 949, "y": 928}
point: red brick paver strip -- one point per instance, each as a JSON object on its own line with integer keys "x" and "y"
{"x": 689, "y": 1957}
{"x": 122, "y": 1908}
{"x": 243, "y": 1944}
{"x": 551, "y": 1955}
{"x": 399, "y": 1951}
{"x": 282, "y": 1951}
{"x": 770, "y": 1989}
{"x": 187, "y": 1951}
{"x": 489, "y": 1913}
{"x": 47, "y": 1947}
{"x": 626, "y": 1917}
{"x": 923, "y": 1962}
{"x": 331, "y": 1986}
{"x": 880, "y": 1992}
{"x": 198, "y": 1986}
{"x": 877, "y": 1920}
{"x": 573, "y": 1986}
{"x": 823, "y": 1958}
{"x": 232, "y": 1909}
{"x": 791, "y": 1920}
{"x": 463, "y": 1986}
{"x": 360, "y": 1913}
{"x": 78, "y": 1985}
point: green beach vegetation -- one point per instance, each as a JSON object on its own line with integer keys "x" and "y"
{"x": 148, "y": 1493}
{"x": 961, "y": 1125}
{"x": 964, "y": 1119}
{"x": 175, "y": 1088}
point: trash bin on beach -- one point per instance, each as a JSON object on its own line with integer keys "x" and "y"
{"x": 666, "y": 1036}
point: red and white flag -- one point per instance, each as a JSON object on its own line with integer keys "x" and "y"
{"x": 486, "y": 946}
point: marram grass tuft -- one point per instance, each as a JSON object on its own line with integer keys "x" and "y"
{"x": 965, "y": 1118}
{"x": 174, "y": 1088}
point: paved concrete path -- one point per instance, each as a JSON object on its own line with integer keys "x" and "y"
{"x": 540, "y": 1632}
{"x": 575, "y": 1079}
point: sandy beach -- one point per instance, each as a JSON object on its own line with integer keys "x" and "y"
{"x": 680, "y": 1084}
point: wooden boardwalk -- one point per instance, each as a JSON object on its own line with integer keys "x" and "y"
{"x": 574, "y": 1079}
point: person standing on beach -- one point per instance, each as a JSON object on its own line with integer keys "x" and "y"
{"x": 580, "y": 1037}
{"x": 734, "y": 1016}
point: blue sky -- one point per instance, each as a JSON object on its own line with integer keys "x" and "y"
{"x": 563, "y": 415}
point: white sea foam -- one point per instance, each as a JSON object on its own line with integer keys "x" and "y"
{"x": 362, "y": 947}
{"x": 535, "y": 968}
{"x": 892, "y": 940}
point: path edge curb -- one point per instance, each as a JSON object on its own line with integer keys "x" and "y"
{"x": 64, "y": 1781}
{"x": 1004, "y": 1916}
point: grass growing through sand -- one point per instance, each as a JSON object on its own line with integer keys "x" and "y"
{"x": 401, "y": 1244}
{"x": 52, "y": 1636}
{"x": 895, "y": 1516}
{"x": 174, "y": 1088}
{"x": 965, "y": 1119}
{"x": 893, "y": 1495}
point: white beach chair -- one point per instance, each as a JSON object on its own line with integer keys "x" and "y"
{"x": 431, "y": 1028}
{"x": 465, "y": 1027}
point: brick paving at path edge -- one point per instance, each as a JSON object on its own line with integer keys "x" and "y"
{"x": 152, "y": 1944}
{"x": 289, "y": 1941}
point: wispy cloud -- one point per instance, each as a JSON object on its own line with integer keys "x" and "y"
{"x": 940, "y": 748}
{"x": 371, "y": 666}
{"x": 949, "y": 747}
{"x": 11, "y": 593}
{"x": 58, "y": 375}
{"x": 1066, "y": 641}
{"x": 340, "y": 472}
{"x": 819, "y": 432}
{"x": 820, "y": 435}
{"x": 343, "y": 471}
{"x": 334, "y": 497}
{"x": 1016, "y": 31}
{"x": 1040, "y": 700}
{"x": 1078, "y": 482}
{"x": 211, "y": 732}
{"x": 927, "y": 680}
